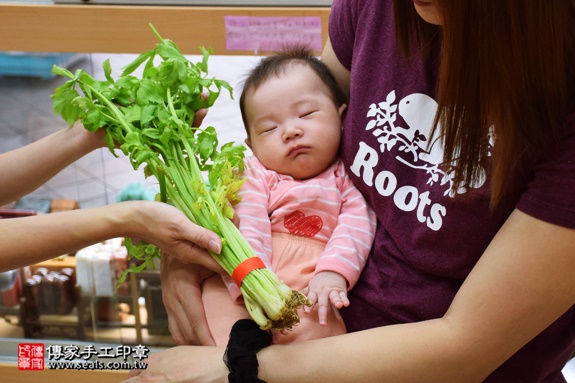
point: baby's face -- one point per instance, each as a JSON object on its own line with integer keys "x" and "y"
{"x": 294, "y": 125}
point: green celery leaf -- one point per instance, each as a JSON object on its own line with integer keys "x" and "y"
{"x": 63, "y": 103}
{"x": 132, "y": 140}
{"x": 92, "y": 121}
{"x": 143, "y": 156}
{"x": 168, "y": 50}
{"x": 212, "y": 97}
{"x": 197, "y": 103}
{"x": 108, "y": 70}
{"x": 127, "y": 82}
{"x": 234, "y": 154}
{"x": 148, "y": 92}
{"x": 226, "y": 85}
{"x": 166, "y": 135}
{"x": 111, "y": 144}
{"x": 148, "y": 114}
{"x": 164, "y": 116}
{"x": 59, "y": 71}
{"x": 172, "y": 71}
{"x": 132, "y": 113}
{"x": 203, "y": 65}
{"x": 137, "y": 62}
{"x": 207, "y": 143}
{"x": 148, "y": 171}
{"x": 151, "y": 133}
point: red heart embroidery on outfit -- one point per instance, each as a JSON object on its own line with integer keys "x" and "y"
{"x": 298, "y": 224}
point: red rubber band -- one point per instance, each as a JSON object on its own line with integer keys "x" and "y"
{"x": 246, "y": 267}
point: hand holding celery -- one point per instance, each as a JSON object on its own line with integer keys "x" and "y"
{"x": 150, "y": 118}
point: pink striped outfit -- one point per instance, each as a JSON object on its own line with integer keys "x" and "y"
{"x": 312, "y": 225}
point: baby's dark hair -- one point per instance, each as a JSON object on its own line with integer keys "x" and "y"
{"x": 277, "y": 63}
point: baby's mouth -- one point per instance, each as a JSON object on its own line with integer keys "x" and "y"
{"x": 297, "y": 150}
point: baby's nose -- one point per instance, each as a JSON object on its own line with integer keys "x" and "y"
{"x": 292, "y": 132}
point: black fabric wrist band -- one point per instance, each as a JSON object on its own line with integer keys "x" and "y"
{"x": 246, "y": 339}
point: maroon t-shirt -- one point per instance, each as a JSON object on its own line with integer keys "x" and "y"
{"x": 428, "y": 237}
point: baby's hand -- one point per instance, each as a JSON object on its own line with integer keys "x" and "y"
{"x": 324, "y": 288}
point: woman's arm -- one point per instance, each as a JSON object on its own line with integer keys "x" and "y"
{"x": 340, "y": 73}
{"x": 25, "y": 169}
{"x": 523, "y": 282}
{"x": 521, "y": 285}
{"x": 28, "y": 240}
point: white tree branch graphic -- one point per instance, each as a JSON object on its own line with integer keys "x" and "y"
{"x": 382, "y": 124}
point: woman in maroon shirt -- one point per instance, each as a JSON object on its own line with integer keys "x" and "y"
{"x": 460, "y": 132}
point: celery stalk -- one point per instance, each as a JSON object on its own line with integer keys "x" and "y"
{"x": 150, "y": 118}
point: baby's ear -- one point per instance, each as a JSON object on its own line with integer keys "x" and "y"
{"x": 248, "y": 142}
{"x": 342, "y": 109}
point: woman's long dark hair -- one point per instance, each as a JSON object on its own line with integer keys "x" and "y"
{"x": 507, "y": 65}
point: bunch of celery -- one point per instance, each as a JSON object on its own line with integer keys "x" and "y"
{"x": 150, "y": 119}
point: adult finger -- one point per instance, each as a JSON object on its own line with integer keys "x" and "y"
{"x": 199, "y": 117}
{"x": 181, "y": 292}
{"x": 201, "y": 114}
{"x": 134, "y": 373}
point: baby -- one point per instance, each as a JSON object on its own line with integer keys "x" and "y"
{"x": 299, "y": 211}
